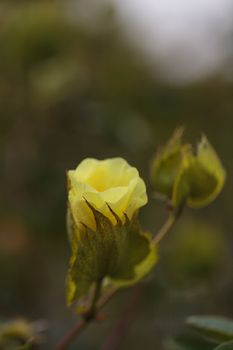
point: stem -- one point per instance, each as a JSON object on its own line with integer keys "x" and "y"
{"x": 91, "y": 313}
{"x": 73, "y": 333}
{"x": 82, "y": 323}
{"x": 128, "y": 316}
{"x": 168, "y": 225}
{"x": 106, "y": 297}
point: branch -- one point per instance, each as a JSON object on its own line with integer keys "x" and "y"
{"x": 114, "y": 340}
{"x": 73, "y": 333}
{"x": 96, "y": 304}
{"x": 174, "y": 215}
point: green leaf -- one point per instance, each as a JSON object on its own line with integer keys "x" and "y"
{"x": 188, "y": 343}
{"x": 201, "y": 177}
{"x": 217, "y": 328}
{"x": 166, "y": 165}
{"x": 225, "y": 346}
{"x": 122, "y": 253}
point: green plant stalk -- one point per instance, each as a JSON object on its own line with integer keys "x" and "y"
{"x": 173, "y": 216}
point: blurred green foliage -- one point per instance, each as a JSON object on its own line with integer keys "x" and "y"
{"x": 219, "y": 329}
{"x": 215, "y": 333}
{"x": 194, "y": 254}
{"x": 17, "y": 334}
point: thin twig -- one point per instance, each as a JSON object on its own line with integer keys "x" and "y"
{"x": 73, "y": 333}
{"x": 83, "y": 322}
{"x": 115, "y": 339}
{"x": 168, "y": 225}
{"x": 91, "y": 313}
{"x": 104, "y": 299}
{"x": 170, "y": 222}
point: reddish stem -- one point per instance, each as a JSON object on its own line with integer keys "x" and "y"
{"x": 74, "y": 332}
{"x": 114, "y": 341}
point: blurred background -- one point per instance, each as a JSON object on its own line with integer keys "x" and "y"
{"x": 86, "y": 78}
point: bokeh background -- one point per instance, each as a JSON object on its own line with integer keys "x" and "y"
{"x": 102, "y": 79}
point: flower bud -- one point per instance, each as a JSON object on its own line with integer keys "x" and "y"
{"x": 107, "y": 183}
{"x": 106, "y": 239}
{"x": 166, "y": 165}
{"x": 201, "y": 177}
{"x": 184, "y": 176}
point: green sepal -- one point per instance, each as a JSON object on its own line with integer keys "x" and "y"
{"x": 217, "y": 328}
{"x": 121, "y": 252}
{"x": 201, "y": 177}
{"x": 166, "y": 165}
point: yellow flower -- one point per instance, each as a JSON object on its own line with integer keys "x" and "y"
{"x": 104, "y": 196}
{"x": 105, "y": 183}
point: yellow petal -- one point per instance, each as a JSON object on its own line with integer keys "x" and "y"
{"x": 110, "y": 182}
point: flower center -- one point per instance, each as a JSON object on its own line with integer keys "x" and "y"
{"x": 102, "y": 179}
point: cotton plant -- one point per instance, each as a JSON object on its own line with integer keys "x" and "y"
{"x": 109, "y": 248}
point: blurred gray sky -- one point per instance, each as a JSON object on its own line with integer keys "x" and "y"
{"x": 188, "y": 37}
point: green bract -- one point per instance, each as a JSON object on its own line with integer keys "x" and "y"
{"x": 166, "y": 165}
{"x": 186, "y": 176}
{"x": 201, "y": 177}
{"x": 121, "y": 253}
